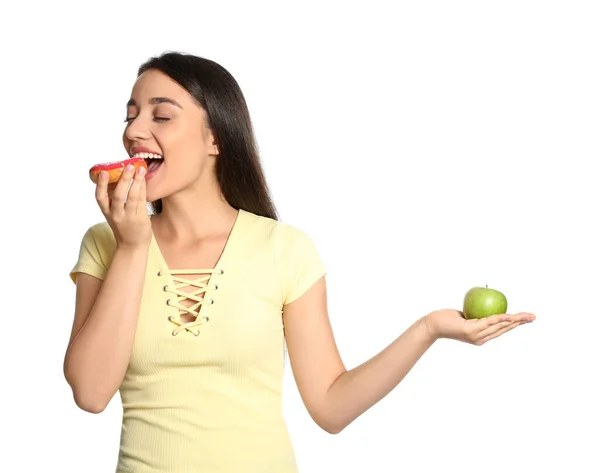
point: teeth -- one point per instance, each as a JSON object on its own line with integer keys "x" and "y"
{"x": 147, "y": 156}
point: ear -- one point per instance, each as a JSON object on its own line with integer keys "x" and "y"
{"x": 214, "y": 146}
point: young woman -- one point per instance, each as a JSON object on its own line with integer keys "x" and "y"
{"x": 185, "y": 309}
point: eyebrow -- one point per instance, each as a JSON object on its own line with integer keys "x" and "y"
{"x": 155, "y": 101}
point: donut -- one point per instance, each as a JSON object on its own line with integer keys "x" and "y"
{"x": 115, "y": 169}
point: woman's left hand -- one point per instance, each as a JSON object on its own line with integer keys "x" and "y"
{"x": 449, "y": 323}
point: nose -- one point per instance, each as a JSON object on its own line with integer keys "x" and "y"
{"x": 137, "y": 130}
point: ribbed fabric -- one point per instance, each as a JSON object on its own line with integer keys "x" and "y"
{"x": 211, "y": 403}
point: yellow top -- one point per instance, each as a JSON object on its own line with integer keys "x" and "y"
{"x": 205, "y": 396}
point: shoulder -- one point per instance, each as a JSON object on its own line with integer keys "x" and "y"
{"x": 96, "y": 251}
{"x": 281, "y": 234}
{"x": 100, "y": 238}
{"x": 102, "y": 234}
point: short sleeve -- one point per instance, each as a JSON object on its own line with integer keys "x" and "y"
{"x": 298, "y": 261}
{"x": 94, "y": 253}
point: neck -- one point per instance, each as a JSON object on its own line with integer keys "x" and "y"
{"x": 195, "y": 214}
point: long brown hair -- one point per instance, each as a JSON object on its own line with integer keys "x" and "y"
{"x": 239, "y": 171}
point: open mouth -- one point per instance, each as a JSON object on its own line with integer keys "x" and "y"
{"x": 153, "y": 161}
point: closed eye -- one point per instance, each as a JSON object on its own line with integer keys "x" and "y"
{"x": 158, "y": 119}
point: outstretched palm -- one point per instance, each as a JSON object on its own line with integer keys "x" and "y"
{"x": 450, "y": 323}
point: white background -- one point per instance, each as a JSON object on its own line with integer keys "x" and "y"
{"x": 427, "y": 147}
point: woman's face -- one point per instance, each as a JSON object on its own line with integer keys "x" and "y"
{"x": 164, "y": 119}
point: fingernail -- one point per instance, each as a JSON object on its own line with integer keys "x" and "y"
{"x": 103, "y": 175}
{"x": 129, "y": 168}
{"x": 141, "y": 171}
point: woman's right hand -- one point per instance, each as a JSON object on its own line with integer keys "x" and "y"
{"x": 129, "y": 219}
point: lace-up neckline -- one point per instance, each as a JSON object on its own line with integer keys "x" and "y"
{"x": 202, "y": 284}
{"x": 178, "y": 279}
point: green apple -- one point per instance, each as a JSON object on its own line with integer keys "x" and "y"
{"x": 482, "y": 302}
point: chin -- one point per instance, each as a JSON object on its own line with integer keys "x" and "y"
{"x": 152, "y": 196}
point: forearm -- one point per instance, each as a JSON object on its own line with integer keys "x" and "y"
{"x": 357, "y": 390}
{"x": 99, "y": 354}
